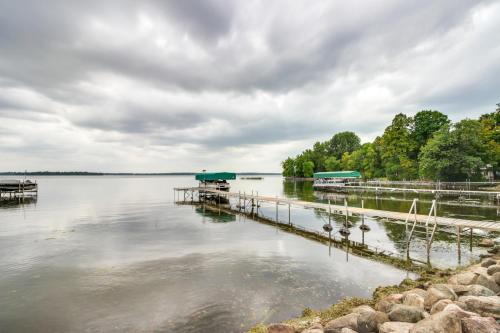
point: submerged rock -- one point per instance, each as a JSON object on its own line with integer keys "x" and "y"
{"x": 336, "y": 325}
{"x": 395, "y": 327}
{"x": 487, "y": 243}
{"x": 405, "y": 313}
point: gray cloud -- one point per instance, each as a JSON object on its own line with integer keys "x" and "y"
{"x": 173, "y": 78}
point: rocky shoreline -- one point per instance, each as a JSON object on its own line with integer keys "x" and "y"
{"x": 462, "y": 301}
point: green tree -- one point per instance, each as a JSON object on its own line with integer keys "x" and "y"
{"x": 490, "y": 135}
{"x": 308, "y": 169}
{"x": 425, "y": 124}
{"x": 288, "y": 166}
{"x": 454, "y": 153}
{"x": 396, "y": 149}
{"x": 332, "y": 164}
{"x": 343, "y": 142}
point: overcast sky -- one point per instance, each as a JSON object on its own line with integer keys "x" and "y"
{"x": 160, "y": 86}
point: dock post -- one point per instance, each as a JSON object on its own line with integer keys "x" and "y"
{"x": 458, "y": 244}
{"x": 470, "y": 243}
{"x": 346, "y": 214}
{"x": 329, "y": 213}
{"x": 244, "y": 201}
{"x": 363, "y": 223}
{"x": 289, "y": 217}
{"x": 239, "y": 201}
{"x": 276, "y": 209}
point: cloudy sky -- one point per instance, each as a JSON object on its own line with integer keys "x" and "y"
{"x": 159, "y": 86}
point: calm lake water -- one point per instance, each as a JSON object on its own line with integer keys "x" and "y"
{"x": 104, "y": 254}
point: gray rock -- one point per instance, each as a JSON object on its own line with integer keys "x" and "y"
{"x": 488, "y": 282}
{"x": 395, "y": 327}
{"x": 461, "y": 305}
{"x": 405, "y": 313}
{"x": 486, "y": 306}
{"x": 480, "y": 324}
{"x": 386, "y": 303}
{"x": 412, "y": 299}
{"x": 440, "y": 305}
{"x": 336, "y": 325}
{"x": 280, "y": 328}
{"x": 368, "y": 321}
{"x": 478, "y": 290}
{"x": 438, "y": 292}
{"x": 488, "y": 262}
{"x": 493, "y": 269}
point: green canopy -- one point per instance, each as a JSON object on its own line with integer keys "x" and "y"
{"x": 215, "y": 176}
{"x": 337, "y": 174}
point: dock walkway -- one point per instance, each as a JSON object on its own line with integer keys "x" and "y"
{"x": 344, "y": 210}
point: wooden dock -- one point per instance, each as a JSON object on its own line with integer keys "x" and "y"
{"x": 12, "y": 189}
{"x": 345, "y": 210}
{"x": 436, "y": 192}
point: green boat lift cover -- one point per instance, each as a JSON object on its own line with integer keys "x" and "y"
{"x": 207, "y": 176}
{"x": 337, "y": 174}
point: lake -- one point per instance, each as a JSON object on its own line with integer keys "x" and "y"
{"x": 115, "y": 253}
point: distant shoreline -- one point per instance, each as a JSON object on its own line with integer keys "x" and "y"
{"x": 85, "y": 173}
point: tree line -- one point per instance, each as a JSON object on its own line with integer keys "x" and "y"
{"x": 425, "y": 146}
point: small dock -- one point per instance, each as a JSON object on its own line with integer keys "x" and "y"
{"x": 15, "y": 189}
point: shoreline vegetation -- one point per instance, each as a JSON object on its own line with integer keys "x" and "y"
{"x": 426, "y": 146}
{"x": 464, "y": 299}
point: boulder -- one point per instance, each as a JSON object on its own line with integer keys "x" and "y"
{"x": 488, "y": 282}
{"x": 440, "y": 305}
{"x": 459, "y": 289}
{"x": 314, "y": 330}
{"x": 464, "y": 278}
{"x": 461, "y": 305}
{"x": 417, "y": 291}
{"x": 405, "y": 313}
{"x": 488, "y": 262}
{"x": 280, "y": 328}
{"x": 480, "y": 324}
{"x": 413, "y": 299}
{"x": 362, "y": 308}
{"x": 493, "y": 269}
{"x": 438, "y": 292}
{"x": 395, "y": 327}
{"x": 347, "y": 330}
{"x": 478, "y": 290}
{"x": 446, "y": 321}
{"x": 496, "y": 278}
{"x": 386, "y": 303}
{"x": 336, "y": 325}
{"x": 487, "y": 242}
{"x": 369, "y": 321}
{"x": 479, "y": 270}
{"x": 486, "y": 306}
